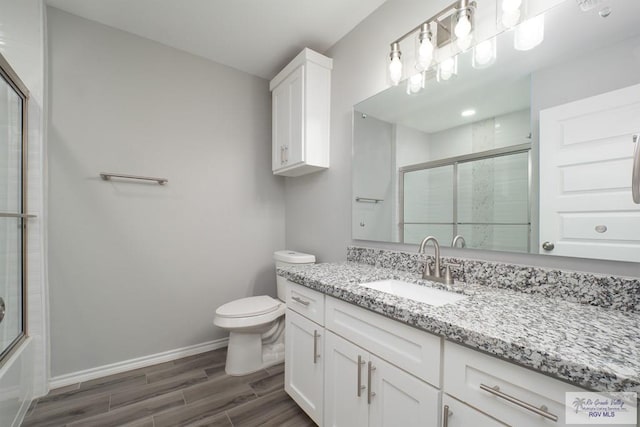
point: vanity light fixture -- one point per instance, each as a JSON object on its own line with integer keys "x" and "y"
{"x": 484, "y": 54}
{"x": 447, "y": 69}
{"x": 395, "y": 66}
{"x": 529, "y": 33}
{"x": 464, "y": 23}
{"x": 425, "y": 48}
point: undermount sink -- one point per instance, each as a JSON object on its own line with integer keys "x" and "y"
{"x": 424, "y": 294}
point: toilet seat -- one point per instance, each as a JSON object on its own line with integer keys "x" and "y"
{"x": 248, "y": 312}
{"x": 250, "y": 306}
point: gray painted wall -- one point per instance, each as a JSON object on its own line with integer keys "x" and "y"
{"x": 318, "y": 206}
{"x": 137, "y": 269}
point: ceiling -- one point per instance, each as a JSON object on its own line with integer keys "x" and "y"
{"x": 256, "y": 36}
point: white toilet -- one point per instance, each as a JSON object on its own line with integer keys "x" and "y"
{"x": 256, "y": 324}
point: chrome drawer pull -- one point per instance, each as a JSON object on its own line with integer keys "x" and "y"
{"x": 316, "y": 335}
{"x": 300, "y": 300}
{"x": 542, "y": 411}
{"x": 445, "y": 416}
{"x": 360, "y": 386}
{"x": 370, "y": 394}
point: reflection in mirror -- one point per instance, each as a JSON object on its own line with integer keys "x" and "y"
{"x": 534, "y": 150}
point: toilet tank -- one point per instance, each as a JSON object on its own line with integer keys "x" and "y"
{"x": 284, "y": 258}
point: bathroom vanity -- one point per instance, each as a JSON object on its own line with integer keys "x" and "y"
{"x": 357, "y": 356}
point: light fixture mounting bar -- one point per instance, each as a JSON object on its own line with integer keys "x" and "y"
{"x": 452, "y": 7}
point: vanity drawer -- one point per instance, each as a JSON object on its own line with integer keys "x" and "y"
{"x": 415, "y": 351}
{"x": 468, "y": 374}
{"x": 305, "y": 301}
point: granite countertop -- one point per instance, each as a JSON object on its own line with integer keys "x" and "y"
{"x": 592, "y": 347}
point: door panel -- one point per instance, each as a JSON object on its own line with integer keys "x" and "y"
{"x": 586, "y": 159}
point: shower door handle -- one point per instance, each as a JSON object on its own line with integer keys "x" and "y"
{"x": 635, "y": 175}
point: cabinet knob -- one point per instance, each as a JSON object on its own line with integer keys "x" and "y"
{"x": 548, "y": 246}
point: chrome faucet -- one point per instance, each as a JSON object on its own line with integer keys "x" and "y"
{"x": 436, "y": 276}
{"x": 457, "y": 239}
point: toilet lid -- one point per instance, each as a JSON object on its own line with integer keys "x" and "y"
{"x": 251, "y": 306}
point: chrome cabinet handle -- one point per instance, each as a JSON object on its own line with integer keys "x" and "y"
{"x": 445, "y": 416}
{"x": 316, "y": 356}
{"x": 548, "y": 246}
{"x": 542, "y": 410}
{"x": 360, "y": 386}
{"x": 370, "y": 393}
{"x": 286, "y": 154}
{"x": 282, "y": 154}
{"x": 635, "y": 178}
{"x": 300, "y": 300}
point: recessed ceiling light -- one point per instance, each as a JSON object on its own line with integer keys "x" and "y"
{"x": 468, "y": 113}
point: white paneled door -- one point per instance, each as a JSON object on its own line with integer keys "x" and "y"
{"x": 586, "y": 163}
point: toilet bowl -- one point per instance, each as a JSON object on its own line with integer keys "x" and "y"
{"x": 256, "y": 324}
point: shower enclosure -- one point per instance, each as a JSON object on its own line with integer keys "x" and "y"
{"x": 485, "y": 197}
{"x": 13, "y": 210}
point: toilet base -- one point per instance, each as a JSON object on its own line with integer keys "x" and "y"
{"x": 246, "y": 353}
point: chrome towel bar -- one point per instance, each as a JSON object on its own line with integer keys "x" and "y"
{"x": 368, "y": 200}
{"x": 107, "y": 176}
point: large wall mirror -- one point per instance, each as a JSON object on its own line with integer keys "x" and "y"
{"x": 533, "y": 154}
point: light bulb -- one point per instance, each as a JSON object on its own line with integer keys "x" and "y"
{"x": 425, "y": 54}
{"x": 511, "y": 5}
{"x": 484, "y": 54}
{"x": 464, "y": 43}
{"x": 510, "y": 18}
{"x": 529, "y": 34}
{"x": 447, "y": 69}
{"x": 415, "y": 83}
{"x": 395, "y": 70}
{"x": 463, "y": 26}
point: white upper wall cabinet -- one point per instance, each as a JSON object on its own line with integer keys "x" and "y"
{"x": 301, "y": 95}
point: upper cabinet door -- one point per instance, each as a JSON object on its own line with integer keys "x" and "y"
{"x": 300, "y": 101}
{"x": 586, "y": 164}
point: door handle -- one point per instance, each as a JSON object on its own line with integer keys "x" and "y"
{"x": 316, "y": 335}
{"x": 360, "y": 386}
{"x": 548, "y": 246}
{"x": 635, "y": 176}
{"x": 370, "y": 393}
{"x": 446, "y": 413}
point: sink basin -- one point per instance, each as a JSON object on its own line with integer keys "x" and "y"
{"x": 424, "y": 294}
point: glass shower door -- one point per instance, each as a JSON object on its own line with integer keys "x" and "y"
{"x": 12, "y": 214}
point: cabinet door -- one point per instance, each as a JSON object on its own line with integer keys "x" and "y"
{"x": 304, "y": 362}
{"x": 401, "y": 399}
{"x": 288, "y": 121}
{"x": 343, "y": 406}
{"x": 457, "y": 414}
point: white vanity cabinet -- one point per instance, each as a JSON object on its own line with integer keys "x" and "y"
{"x": 304, "y": 349}
{"x": 363, "y": 390}
{"x": 512, "y": 394}
{"x": 301, "y": 95}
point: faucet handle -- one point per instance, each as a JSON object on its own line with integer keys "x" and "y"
{"x": 427, "y": 270}
{"x": 448, "y": 278}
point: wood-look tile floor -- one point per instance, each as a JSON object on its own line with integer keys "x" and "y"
{"x": 194, "y": 391}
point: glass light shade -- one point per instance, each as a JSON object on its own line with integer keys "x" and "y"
{"x": 447, "y": 69}
{"x": 529, "y": 34}
{"x": 464, "y": 43}
{"x": 463, "y": 26}
{"x": 484, "y": 54}
{"x": 425, "y": 54}
{"x": 415, "y": 83}
{"x": 395, "y": 70}
{"x": 511, "y": 5}
{"x": 510, "y": 18}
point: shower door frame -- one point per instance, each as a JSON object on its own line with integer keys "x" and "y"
{"x": 454, "y": 162}
{"x": 11, "y": 77}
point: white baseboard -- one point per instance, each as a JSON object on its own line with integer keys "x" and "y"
{"x": 139, "y": 362}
